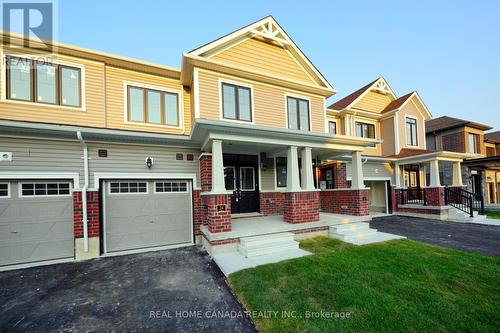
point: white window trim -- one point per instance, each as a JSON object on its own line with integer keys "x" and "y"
{"x": 406, "y": 132}
{"x": 328, "y": 126}
{"x": 20, "y": 189}
{"x": 8, "y": 190}
{"x": 180, "y": 97}
{"x": 171, "y": 181}
{"x": 253, "y": 176}
{"x": 128, "y": 193}
{"x": 252, "y": 106}
{"x": 308, "y": 99}
{"x": 3, "y": 79}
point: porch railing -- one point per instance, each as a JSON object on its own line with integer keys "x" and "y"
{"x": 414, "y": 195}
{"x": 464, "y": 200}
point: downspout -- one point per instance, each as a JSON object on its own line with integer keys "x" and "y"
{"x": 496, "y": 186}
{"x": 84, "y": 191}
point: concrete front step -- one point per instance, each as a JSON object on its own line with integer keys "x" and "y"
{"x": 267, "y": 244}
{"x": 348, "y": 237}
{"x": 351, "y": 227}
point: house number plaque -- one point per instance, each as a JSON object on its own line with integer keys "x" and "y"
{"x": 221, "y": 208}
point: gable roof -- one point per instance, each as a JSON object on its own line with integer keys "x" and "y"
{"x": 397, "y": 103}
{"x": 349, "y": 99}
{"x": 492, "y": 136}
{"x": 269, "y": 30}
{"x": 446, "y": 123}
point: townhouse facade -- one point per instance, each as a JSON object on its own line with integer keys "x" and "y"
{"x": 104, "y": 155}
{"x": 463, "y": 136}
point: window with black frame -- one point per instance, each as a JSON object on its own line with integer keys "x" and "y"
{"x": 236, "y": 102}
{"x": 365, "y": 130}
{"x": 298, "y": 113}
{"x": 411, "y": 132}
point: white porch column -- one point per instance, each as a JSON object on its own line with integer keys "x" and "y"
{"x": 357, "y": 171}
{"x": 292, "y": 172}
{"x": 218, "y": 185}
{"x": 397, "y": 175}
{"x": 307, "y": 170}
{"x": 434, "y": 174}
{"x": 457, "y": 174}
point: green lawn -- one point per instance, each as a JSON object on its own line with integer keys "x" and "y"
{"x": 493, "y": 214}
{"x": 398, "y": 286}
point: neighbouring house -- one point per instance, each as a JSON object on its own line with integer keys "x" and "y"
{"x": 402, "y": 171}
{"x": 102, "y": 154}
{"x": 480, "y": 168}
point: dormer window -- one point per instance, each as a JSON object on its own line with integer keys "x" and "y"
{"x": 411, "y": 132}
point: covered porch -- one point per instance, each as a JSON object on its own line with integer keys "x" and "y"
{"x": 274, "y": 167}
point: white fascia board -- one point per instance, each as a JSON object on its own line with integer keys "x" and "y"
{"x": 42, "y": 175}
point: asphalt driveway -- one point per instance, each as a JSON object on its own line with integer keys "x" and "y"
{"x": 179, "y": 290}
{"x": 484, "y": 239}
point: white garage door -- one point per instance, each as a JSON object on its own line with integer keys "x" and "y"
{"x": 143, "y": 213}
{"x": 36, "y": 221}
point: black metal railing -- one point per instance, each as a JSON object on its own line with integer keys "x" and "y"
{"x": 464, "y": 200}
{"x": 413, "y": 195}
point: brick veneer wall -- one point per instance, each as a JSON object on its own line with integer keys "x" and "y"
{"x": 92, "y": 214}
{"x": 300, "y": 207}
{"x": 348, "y": 201}
{"x": 206, "y": 172}
{"x": 199, "y": 212}
{"x": 217, "y": 221}
{"x": 271, "y": 203}
{"x": 434, "y": 196}
{"x": 340, "y": 175}
{"x": 454, "y": 142}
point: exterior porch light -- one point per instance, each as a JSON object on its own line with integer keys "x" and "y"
{"x": 149, "y": 162}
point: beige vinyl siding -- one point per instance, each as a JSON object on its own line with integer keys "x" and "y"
{"x": 387, "y": 134}
{"x": 268, "y": 177}
{"x": 35, "y": 155}
{"x": 268, "y": 58}
{"x": 411, "y": 110}
{"x": 373, "y": 101}
{"x": 92, "y": 116}
{"x": 116, "y": 78}
{"x": 269, "y": 103}
{"x": 373, "y": 170}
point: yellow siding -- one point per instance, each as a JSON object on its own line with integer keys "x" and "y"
{"x": 373, "y": 101}
{"x": 254, "y": 54}
{"x": 371, "y": 151}
{"x": 93, "y": 115}
{"x": 269, "y": 107}
{"x": 387, "y": 130}
{"x": 411, "y": 110}
{"x": 116, "y": 79}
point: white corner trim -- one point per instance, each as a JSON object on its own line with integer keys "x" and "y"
{"x": 196, "y": 92}
{"x": 125, "y": 175}
{"x": 43, "y": 175}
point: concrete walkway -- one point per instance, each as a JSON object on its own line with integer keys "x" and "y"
{"x": 470, "y": 237}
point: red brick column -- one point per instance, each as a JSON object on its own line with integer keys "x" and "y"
{"x": 271, "y": 203}
{"x": 345, "y": 201}
{"x": 300, "y": 207}
{"x": 218, "y": 220}
{"x": 92, "y": 214}
{"x": 340, "y": 175}
{"x": 199, "y": 212}
{"x": 434, "y": 196}
{"x": 206, "y": 172}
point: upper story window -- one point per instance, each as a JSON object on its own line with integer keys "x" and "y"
{"x": 473, "y": 143}
{"x": 298, "y": 113}
{"x": 236, "y": 102}
{"x": 153, "y": 106}
{"x": 332, "y": 127}
{"x": 411, "y": 132}
{"x": 33, "y": 81}
{"x": 365, "y": 130}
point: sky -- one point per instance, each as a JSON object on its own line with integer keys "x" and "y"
{"x": 448, "y": 51}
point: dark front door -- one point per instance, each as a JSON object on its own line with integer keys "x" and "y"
{"x": 241, "y": 177}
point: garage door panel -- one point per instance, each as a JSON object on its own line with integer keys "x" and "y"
{"x": 149, "y": 219}
{"x": 35, "y": 228}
